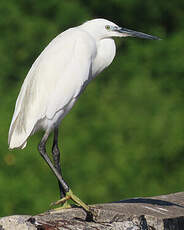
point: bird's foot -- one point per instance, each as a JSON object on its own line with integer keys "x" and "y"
{"x": 71, "y": 196}
{"x": 64, "y": 206}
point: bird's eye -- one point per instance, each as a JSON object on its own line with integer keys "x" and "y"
{"x": 107, "y": 27}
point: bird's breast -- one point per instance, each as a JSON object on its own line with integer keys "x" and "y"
{"x": 106, "y": 50}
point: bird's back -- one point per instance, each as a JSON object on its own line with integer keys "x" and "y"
{"x": 55, "y": 78}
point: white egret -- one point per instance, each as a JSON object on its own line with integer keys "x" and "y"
{"x": 55, "y": 81}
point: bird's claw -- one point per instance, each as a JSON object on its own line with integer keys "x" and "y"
{"x": 92, "y": 214}
{"x": 61, "y": 201}
{"x": 71, "y": 196}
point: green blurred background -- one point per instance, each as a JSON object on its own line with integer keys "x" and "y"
{"x": 125, "y": 136}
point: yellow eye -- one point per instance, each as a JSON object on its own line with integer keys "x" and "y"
{"x": 107, "y": 27}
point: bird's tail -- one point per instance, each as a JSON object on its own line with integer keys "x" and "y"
{"x": 17, "y": 137}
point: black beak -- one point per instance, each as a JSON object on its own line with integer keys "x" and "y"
{"x": 133, "y": 33}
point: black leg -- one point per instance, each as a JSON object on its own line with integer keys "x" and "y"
{"x": 65, "y": 188}
{"x": 56, "y": 160}
{"x": 42, "y": 150}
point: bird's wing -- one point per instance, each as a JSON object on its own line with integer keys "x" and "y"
{"x": 55, "y": 78}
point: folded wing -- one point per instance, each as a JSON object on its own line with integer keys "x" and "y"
{"x": 56, "y": 77}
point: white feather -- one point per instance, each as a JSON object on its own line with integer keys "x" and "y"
{"x": 57, "y": 78}
{"x": 55, "y": 74}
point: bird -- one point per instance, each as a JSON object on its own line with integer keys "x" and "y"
{"x": 54, "y": 83}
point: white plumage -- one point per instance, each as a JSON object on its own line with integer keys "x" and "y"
{"x": 60, "y": 73}
{"x": 57, "y": 77}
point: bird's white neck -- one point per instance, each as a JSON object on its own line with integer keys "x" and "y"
{"x": 106, "y": 50}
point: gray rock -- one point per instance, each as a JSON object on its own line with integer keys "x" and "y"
{"x": 164, "y": 212}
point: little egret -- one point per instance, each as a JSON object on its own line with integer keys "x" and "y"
{"x": 54, "y": 83}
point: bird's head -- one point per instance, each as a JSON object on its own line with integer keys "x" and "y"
{"x": 102, "y": 28}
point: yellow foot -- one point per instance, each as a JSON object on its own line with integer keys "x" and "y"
{"x": 65, "y": 205}
{"x": 74, "y": 198}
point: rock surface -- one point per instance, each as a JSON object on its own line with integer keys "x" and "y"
{"x": 164, "y": 212}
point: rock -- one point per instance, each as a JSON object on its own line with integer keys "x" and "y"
{"x": 164, "y": 212}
